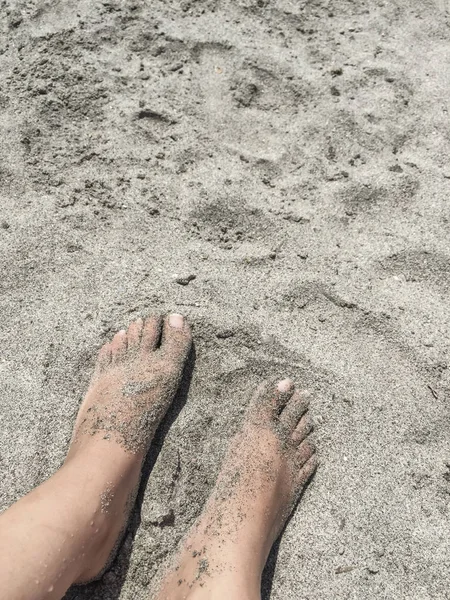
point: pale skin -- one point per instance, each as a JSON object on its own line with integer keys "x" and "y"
{"x": 66, "y": 530}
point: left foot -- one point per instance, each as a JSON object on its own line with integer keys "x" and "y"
{"x": 135, "y": 381}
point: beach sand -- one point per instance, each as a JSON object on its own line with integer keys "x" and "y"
{"x": 278, "y": 172}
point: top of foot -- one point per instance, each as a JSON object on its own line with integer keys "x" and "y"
{"x": 136, "y": 377}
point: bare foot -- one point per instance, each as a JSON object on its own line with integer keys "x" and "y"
{"x": 267, "y": 466}
{"x": 136, "y": 378}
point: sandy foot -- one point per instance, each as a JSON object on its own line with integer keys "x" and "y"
{"x": 267, "y": 466}
{"x": 136, "y": 378}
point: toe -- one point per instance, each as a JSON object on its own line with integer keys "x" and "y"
{"x": 176, "y": 339}
{"x": 151, "y": 333}
{"x": 304, "y": 452}
{"x": 302, "y": 430}
{"x": 134, "y": 333}
{"x": 282, "y": 394}
{"x": 119, "y": 345}
{"x": 270, "y": 398}
{"x": 104, "y": 357}
{"x": 307, "y": 471}
{"x": 295, "y": 409}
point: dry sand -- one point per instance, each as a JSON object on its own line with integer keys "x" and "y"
{"x": 293, "y": 156}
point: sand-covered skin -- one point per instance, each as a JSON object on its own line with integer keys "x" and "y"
{"x": 266, "y": 468}
{"x": 135, "y": 381}
{"x": 293, "y": 156}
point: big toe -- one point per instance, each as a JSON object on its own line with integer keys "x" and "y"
{"x": 176, "y": 340}
{"x": 270, "y": 398}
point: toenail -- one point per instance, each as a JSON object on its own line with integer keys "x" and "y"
{"x": 176, "y": 321}
{"x": 285, "y": 385}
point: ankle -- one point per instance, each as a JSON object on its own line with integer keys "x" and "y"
{"x": 242, "y": 551}
{"x": 101, "y": 454}
{"x": 104, "y": 533}
{"x": 221, "y": 587}
{"x": 206, "y": 570}
{"x": 103, "y": 472}
{"x": 98, "y": 498}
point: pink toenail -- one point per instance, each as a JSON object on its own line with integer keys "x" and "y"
{"x": 176, "y": 321}
{"x": 285, "y": 385}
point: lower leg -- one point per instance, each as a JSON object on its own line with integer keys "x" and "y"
{"x": 66, "y": 530}
{"x": 266, "y": 468}
{"x": 60, "y": 530}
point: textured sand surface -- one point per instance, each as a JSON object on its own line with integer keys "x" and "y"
{"x": 293, "y": 157}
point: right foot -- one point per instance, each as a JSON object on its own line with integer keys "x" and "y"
{"x": 267, "y": 466}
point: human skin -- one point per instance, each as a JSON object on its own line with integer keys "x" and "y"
{"x": 266, "y": 468}
{"x": 67, "y": 530}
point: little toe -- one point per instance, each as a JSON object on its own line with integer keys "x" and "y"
{"x": 134, "y": 333}
{"x": 176, "y": 339}
{"x": 307, "y": 471}
{"x": 295, "y": 409}
{"x": 270, "y": 397}
{"x": 303, "y": 429}
{"x": 119, "y": 345}
{"x": 151, "y": 333}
